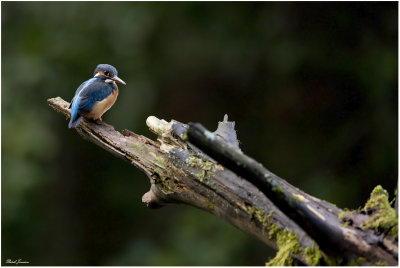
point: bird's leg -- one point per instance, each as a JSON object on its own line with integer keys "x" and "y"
{"x": 98, "y": 120}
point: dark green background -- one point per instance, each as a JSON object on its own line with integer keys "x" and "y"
{"x": 312, "y": 88}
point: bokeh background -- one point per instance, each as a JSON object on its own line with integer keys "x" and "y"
{"x": 311, "y": 86}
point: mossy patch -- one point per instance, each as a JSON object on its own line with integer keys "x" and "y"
{"x": 288, "y": 243}
{"x": 345, "y": 214}
{"x": 313, "y": 255}
{"x": 358, "y": 262}
{"x": 279, "y": 191}
{"x": 130, "y": 158}
{"x": 383, "y": 215}
{"x": 286, "y": 240}
{"x": 345, "y": 217}
{"x": 377, "y": 214}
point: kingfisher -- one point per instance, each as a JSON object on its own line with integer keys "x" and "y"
{"x": 95, "y": 96}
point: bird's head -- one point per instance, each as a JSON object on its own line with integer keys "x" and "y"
{"x": 109, "y": 72}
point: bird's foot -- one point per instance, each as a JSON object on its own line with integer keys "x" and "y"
{"x": 99, "y": 121}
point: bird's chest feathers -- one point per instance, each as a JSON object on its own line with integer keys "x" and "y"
{"x": 100, "y": 107}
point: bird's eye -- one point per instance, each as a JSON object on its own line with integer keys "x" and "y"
{"x": 107, "y": 73}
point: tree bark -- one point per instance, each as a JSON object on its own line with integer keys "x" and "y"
{"x": 190, "y": 165}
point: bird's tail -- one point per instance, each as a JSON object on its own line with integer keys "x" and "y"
{"x": 75, "y": 116}
{"x": 74, "y": 123}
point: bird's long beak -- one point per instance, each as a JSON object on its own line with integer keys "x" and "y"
{"x": 119, "y": 80}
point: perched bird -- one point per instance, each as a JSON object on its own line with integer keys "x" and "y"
{"x": 95, "y": 96}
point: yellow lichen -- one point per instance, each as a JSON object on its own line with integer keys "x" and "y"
{"x": 185, "y": 136}
{"x": 194, "y": 161}
{"x": 161, "y": 161}
{"x": 206, "y": 166}
{"x": 209, "y": 204}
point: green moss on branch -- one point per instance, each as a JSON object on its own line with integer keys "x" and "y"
{"x": 384, "y": 216}
{"x": 377, "y": 214}
{"x": 288, "y": 243}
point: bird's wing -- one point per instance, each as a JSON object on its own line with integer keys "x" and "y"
{"x": 95, "y": 91}
{"x": 80, "y": 88}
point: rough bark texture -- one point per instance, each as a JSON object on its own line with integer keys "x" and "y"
{"x": 182, "y": 169}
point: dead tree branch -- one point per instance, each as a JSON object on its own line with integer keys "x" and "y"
{"x": 190, "y": 165}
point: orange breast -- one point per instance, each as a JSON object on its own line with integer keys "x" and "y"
{"x": 100, "y": 107}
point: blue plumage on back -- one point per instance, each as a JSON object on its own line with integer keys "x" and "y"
{"x": 75, "y": 116}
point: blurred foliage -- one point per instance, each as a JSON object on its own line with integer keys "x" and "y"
{"x": 311, "y": 86}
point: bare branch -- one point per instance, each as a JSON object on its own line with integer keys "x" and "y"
{"x": 180, "y": 172}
